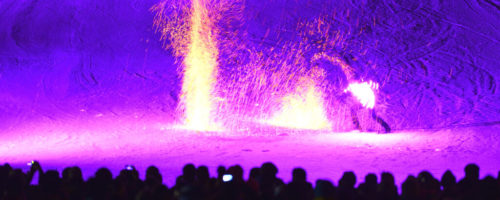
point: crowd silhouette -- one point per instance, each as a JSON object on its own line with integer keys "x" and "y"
{"x": 196, "y": 183}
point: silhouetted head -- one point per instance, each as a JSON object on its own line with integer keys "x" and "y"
{"x": 75, "y": 175}
{"x": 153, "y": 175}
{"x": 237, "y": 172}
{"x": 324, "y": 189}
{"x": 409, "y": 187}
{"x": 189, "y": 172}
{"x": 387, "y": 178}
{"x": 472, "y": 171}
{"x": 221, "y": 170}
{"x": 65, "y": 173}
{"x": 489, "y": 183}
{"x": 51, "y": 176}
{"x": 448, "y": 179}
{"x": 4, "y": 172}
{"x": 489, "y": 187}
{"x": 255, "y": 173}
{"x": 299, "y": 175}
{"x": 268, "y": 169}
{"x": 425, "y": 177}
{"x": 49, "y": 180}
{"x": 371, "y": 179}
{"x": 103, "y": 174}
{"x": 202, "y": 173}
{"x": 348, "y": 180}
{"x": 152, "y": 170}
{"x": 6, "y": 167}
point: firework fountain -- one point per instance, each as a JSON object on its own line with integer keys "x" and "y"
{"x": 200, "y": 64}
{"x": 200, "y": 70}
{"x": 296, "y": 90}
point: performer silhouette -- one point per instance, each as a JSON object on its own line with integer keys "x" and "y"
{"x": 349, "y": 97}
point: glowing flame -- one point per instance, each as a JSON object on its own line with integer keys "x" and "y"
{"x": 363, "y": 93}
{"x": 302, "y": 110}
{"x": 199, "y": 71}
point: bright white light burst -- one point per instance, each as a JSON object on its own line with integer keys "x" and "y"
{"x": 363, "y": 92}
